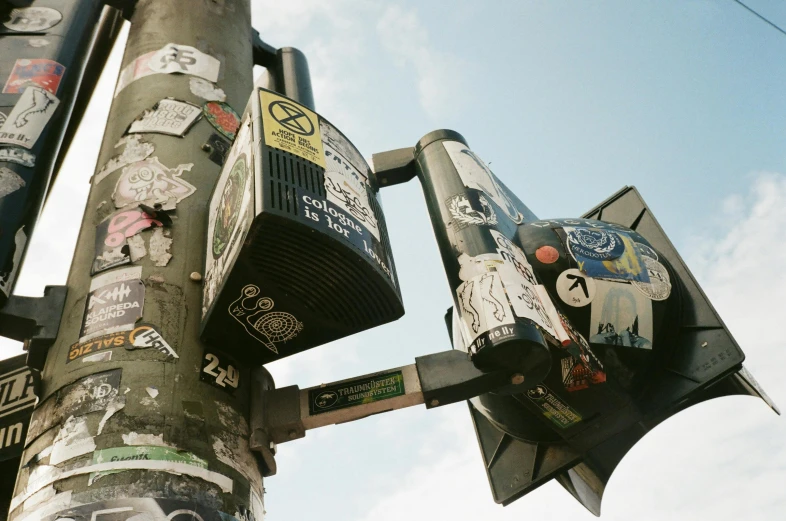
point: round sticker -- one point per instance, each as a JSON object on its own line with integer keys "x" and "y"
{"x": 646, "y": 251}
{"x": 596, "y": 244}
{"x": 659, "y": 286}
{"x": 547, "y": 254}
{"x": 575, "y": 288}
{"x": 228, "y": 209}
{"x": 32, "y": 19}
{"x": 222, "y": 117}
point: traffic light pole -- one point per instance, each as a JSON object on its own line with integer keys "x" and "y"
{"x": 116, "y": 428}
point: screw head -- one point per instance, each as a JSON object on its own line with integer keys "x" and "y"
{"x": 207, "y": 148}
{"x": 517, "y": 379}
{"x": 195, "y": 276}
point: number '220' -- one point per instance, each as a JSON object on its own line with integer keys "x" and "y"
{"x": 224, "y": 377}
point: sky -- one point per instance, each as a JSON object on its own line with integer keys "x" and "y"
{"x": 567, "y": 101}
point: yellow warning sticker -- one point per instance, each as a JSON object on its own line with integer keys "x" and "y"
{"x": 291, "y": 127}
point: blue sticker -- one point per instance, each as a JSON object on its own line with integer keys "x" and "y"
{"x": 593, "y": 243}
{"x": 627, "y": 266}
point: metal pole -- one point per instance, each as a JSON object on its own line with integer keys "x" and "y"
{"x": 137, "y": 418}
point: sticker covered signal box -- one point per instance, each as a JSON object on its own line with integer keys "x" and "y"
{"x": 298, "y": 253}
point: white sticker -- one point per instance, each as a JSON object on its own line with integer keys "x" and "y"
{"x": 29, "y": 117}
{"x": 483, "y": 305}
{"x": 17, "y": 155}
{"x": 347, "y": 188}
{"x": 206, "y": 90}
{"x": 621, "y": 316}
{"x": 168, "y": 116}
{"x": 32, "y": 19}
{"x": 659, "y": 286}
{"x": 475, "y": 174}
{"x": 525, "y": 299}
{"x": 133, "y": 71}
{"x": 333, "y": 138}
{"x": 10, "y": 181}
{"x": 184, "y": 59}
{"x": 471, "y": 267}
{"x": 150, "y": 182}
{"x": 575, "y": 288}
{"x": 135, "y": 150}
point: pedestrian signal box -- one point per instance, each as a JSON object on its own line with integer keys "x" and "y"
{"x": 297, "y": 249}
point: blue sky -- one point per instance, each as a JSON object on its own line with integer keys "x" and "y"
{"x": 568, "y": 101}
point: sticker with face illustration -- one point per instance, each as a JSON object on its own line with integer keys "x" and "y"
{"x": 152, "y": 183}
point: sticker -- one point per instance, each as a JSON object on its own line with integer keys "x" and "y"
{"x": 547, "y": 254}
{"x": 145, "y": 336}
{"x": 347, "y": 188}
{"x": 135, "y": 150}
{"x": 206, "y": 90}
{"x": 222, "y": 117}
{"x": 229, "y": 214}
{"x": 39, "y": 72}
{"x": 475, "y": 174}
{"x": 142, "y": 509}
{"x": 628, "y": 266}
{"x": 218, "y": 148}
{"x": 220, "y": 371}
{"x": 17, "y": 155}
{"x": 168, "y": 116}
{"x": 38, "y": 42}
{"x": 145, "y": 453}
{"x": 112, "y": 234}
{"x": 595, "y": 244}
{"x": 7, "y": 277}
{"x": 659, "y": 286}
{"x": 141, "y": 337}
{"x": 577, "y": 376}
{"x": 471, "y": 267}
{"x": 621, "y": 316}
{"x": 483, "y": 305}
{"x": 184, "y": 59}
{"x": 646, "y": 251}
{"x": 32, "y": 19}
{"x": 135, "y": 70}
{"x": 30, "y": 115}
{"x": 114, "y": 303}
{"x": 557, "y": 411}
{"x": 10, "y": 181}
{"x": 470, "y": 208}
{"x": 17, "y": 392}
{"x": 291, "y": 127}
{"x": 159, "y": 247}
{"x": 106, "y": 356}
{"x": 575, "y": 288}
{"x": 336, "y": 141}
{"x": 3, "y": 117}
{"x": 368, "y": 389}
{"x": 150, "y": 182}
{"x": 91, "y": 347}
{"x": 271, "y": 328}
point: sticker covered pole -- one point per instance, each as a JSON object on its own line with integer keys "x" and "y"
{"x": 137, "y": 417}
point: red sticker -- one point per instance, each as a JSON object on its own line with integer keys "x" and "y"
{"x": 42, "y": 73}
{"x": 547, "y": 254}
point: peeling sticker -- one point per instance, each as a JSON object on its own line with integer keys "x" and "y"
{"x": 59, "y": 502}
{"x": 106, "y": 356}
{"x": 72, "y": 440}
{"x": 10, "y": 181}
{"x": 45, "y": 494}
{"x": 135, "y": 150}
{"x": 218, "y": 148}
{"x": 206, "y": 90}
{"x": 114, "y": 232}
{"x": 117, "y": 403}
{"x": 159, "y": 248}
{"x": 168, "y": 116}
{"x": 150, "y": 182}
{"x": 234, "y": 452}
{"x": 175, "y": 58}
{"x": 136, "y": 247}
{"x": 37, "y": 72}
{"x": 145, "y": 453}
{"x": 38, "y": 42}
{"x": 16, "y": 155}
{"x": 133, "y": 438}
{"x": 30, "y": 115}
{"x": 114, "y": 303}
{"x": 32, "y": 19}
{"x": 146, "y": 336}
{"x": 229, "y": 417}
{"x": 135, "y": 70}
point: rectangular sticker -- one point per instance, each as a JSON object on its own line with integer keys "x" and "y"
{"x": 143, "y": 336}
{"x": 114, "y": 303}
{"x": 39, "y": 72}
{"x": 347, "y": 188}
{"x": 483, "y": 305}
{"x": 606, "y": 254}
{"x": 17, "y": 391}
{"x": 168, "y": 116}
{"x": 133, "y": 71}
{"x": 550, "y": 405}
{"x": 333, "y": 138}
{"x": 142, "y": 452}
{"x": 184, "y": 59}
{"x": 291, "y": 127}
{"x": 621, "y": 315}
{"x": 30, "y": 115}
{"x": 219, "y": 370}
{"x": 359, "y": 391}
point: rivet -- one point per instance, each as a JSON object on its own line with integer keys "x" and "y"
{"x": 517, "y": 379}
{"x": 195, "y": 276}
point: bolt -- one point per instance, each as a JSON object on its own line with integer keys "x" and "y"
{"x": 195, "y": 276}
{"x": 434, "y": 402}
{"x": 517, "y": 379}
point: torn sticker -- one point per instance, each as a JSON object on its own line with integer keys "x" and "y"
{"x": 222, "y": 117}
{"x": 136, "y": 248}
{"x": 30, "y": 115}
{"x": 136, "y": 439}
{"x": 206, "y": 90}
{"x": 135, "y": 70}
{"x": 16, "y": 155}
{"x": 168, "y": 116}
{"x": 10, "y": 181}
{"x": 112, "y": 234}
{"x": 114, "y": 303}
{"x": 32, "y": 19}
{"x": 152, "y": 183}
{"x": 175, "y": 58}
{"x": 218, "y": 148}
{"x": 117, "y": 403}
{"x": 621, "y": 316}
{"x": 37, "y": 72}
{"x": 72, "y": 440}
{"x": 151, "y": 391}
{"x": 159, "y": 248}
{"x": 146, "y": 336}
{"x": 38, "y": 42}
{"x": 143, "y": 453}
{"x": 135, "y": 150}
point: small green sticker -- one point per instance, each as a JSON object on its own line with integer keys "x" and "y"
{"x": 560, "y": 413}
{"x": 356, "y": 392}
{"x": 142, "y": 452}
